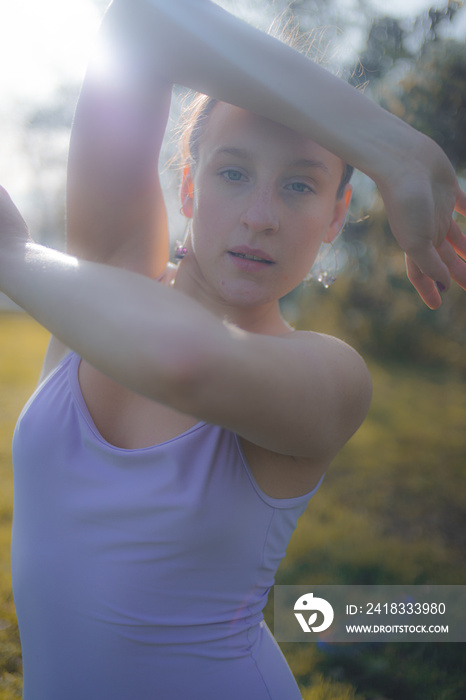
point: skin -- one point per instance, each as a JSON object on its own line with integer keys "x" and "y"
{"x": 159, "y": 356}
{"x": 252, "y": 187}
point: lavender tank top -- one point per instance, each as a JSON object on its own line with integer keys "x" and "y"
{"x": 141, "y": 573}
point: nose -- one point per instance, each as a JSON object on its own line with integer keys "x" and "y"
{"x": 260, "y": 213}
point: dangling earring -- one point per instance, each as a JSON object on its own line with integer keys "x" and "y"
{"x": 180, "y": 248}
{"x": 180, "y": 251}
{"x": 324, "y": 269}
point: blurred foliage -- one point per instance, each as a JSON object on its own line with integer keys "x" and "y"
{"x": 373, "y": 307}
{"x": 432, "y": 97}
{"x": 391, "y": 40}
{"x": 22, "y": 347}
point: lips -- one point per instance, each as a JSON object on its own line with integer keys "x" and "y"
{"x": 252, "y": 254}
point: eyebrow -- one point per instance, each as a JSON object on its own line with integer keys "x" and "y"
{"x": 307, "y": 163}
{"x": 299, "y": 163}
{"x": 233, "y": 151}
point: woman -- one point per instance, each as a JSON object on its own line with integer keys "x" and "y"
{"x": 161, "y": 466}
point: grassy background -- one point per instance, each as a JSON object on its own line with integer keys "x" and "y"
{"x": 22, "y": 346}
{"x": 391, "y": 510}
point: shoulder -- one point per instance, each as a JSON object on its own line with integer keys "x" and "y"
{"x": 333, "y": 351}
{"x": 344, "y": 376}
{"x": 301, "y": 394}
{"x": 329, "y": 354}
{"x": 324, "y": 396}
{"x": 331, "y": 385}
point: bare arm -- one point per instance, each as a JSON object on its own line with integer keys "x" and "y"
{"x": 206, "y": 48}
{"x": 302, "y": 396}
{"x": 116, "y": 211}
{"x": 115, "y": 208}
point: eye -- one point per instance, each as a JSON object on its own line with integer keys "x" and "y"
{"x": 299, "y": 187}
{"x": 232, "y": 175}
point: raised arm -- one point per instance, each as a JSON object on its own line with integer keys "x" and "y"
{"x": 209, "y": 50}
{"x": 115, "y": 208}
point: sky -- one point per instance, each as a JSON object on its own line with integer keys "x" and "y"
{"x": 44, "y": 43}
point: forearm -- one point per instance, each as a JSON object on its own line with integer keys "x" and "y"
{"x": 134, "y": 330}
{"x": 208, "y": 49}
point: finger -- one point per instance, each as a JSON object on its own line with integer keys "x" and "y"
{"x": 457, "y": 239}
{"x": 455, "y": 264}
{"x": 423, "y": 284}
{"x": 430, "y": 264}
{"x": 460, "y": 205}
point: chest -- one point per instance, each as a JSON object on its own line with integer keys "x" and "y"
{"x": 131, "y": 421}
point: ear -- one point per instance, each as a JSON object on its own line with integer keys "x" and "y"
{"x": 339, "y": 215}
{"x": 187, "y": 192}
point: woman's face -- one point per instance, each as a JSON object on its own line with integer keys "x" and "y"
{"x": 264, "y": 199}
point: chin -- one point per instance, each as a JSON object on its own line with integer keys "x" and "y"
{"x": 246, "y": 295}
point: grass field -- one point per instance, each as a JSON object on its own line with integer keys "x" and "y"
{"x": 392, "y": 510}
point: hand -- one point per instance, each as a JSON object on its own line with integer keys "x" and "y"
{"x": 452, "y": 252}
{"x": 420, "y": 200}
{"x": 13, "y": 228}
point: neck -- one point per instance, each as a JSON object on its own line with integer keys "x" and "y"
{"x": 264, "y": 319}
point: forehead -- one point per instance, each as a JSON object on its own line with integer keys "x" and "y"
{"x": 232, "y": 127}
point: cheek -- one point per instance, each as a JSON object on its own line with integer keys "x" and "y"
{"x": 214, "y": 225}
{"x": 209, "y": 214}
{"x": 308, "y": 236}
